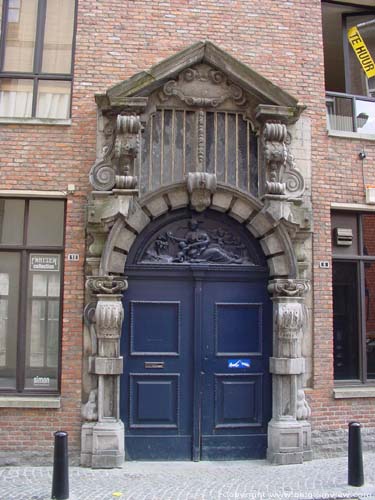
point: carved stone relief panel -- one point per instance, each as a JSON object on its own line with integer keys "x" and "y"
{"x": 199, "y": 239}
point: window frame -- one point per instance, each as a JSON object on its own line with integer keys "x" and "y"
{"x": 360, "y": 259}
{"x": 24, "y": 250}
{"x": 36, "y": 75}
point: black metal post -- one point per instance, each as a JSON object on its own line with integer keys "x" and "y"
{"x": 60, "y": 479}
{"x": 355, "y": 459}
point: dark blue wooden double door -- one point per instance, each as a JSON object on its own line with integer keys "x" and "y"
{"x": 196, "y": 345}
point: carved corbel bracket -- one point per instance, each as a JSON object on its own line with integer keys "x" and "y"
{"x": 201, "y": 186}
{"x": 282, "y": 179}
{"x": 116, "y": 168}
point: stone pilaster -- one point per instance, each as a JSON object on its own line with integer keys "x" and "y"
{"x": 103, "y": 439}
{"x": 289, "y": 433}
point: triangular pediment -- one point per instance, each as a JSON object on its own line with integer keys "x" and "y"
{"x": 201, "y": 54}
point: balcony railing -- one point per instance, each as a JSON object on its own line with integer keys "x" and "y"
{"x": 350, "y": 113}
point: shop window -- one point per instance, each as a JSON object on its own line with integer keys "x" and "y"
{"x": 31, "y": 258}
{"x": 36, "y": 58}
{"x": 354, "y": 296}
{"x": 350, "y": 91}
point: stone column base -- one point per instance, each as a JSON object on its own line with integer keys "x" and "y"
{"x": 102, "y": 445}
{"x": 306, "y": 433}
{"x": 285, "y": 442}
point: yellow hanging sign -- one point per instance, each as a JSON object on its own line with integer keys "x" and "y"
{"x": 361, "y": 51}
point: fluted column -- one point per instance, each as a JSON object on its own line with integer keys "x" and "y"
{"x": 289, "y": 433}
{"x": 105, "y": 437}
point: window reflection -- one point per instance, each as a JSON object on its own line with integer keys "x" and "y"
{"x": 345, "y": 320}
{"x": 43, "y": 326}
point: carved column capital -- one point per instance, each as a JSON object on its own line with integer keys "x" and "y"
{"x": 109, "y": 315}
{"x": 106, "y": 284}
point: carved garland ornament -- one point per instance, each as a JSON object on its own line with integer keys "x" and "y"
{"x": 283, "y": 178}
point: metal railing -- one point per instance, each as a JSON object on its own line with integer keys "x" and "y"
{"x": 350, "y": 113}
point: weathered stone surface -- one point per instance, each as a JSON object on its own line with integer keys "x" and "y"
{"x": 178, "y": 198}
{"x": 259, "y": 225}
{"x": 241, "y": 210}
{"x": 285, "y": 442}
{"x": 287, "y": 366}
{"x": 107, "y": 366}
{"x": 271, "y": 244}
{"x": 138, "y": 220}
{"x": 221, "y": 201}
{"x": 278, "y": 266}
{"x": 117, "y": 262}
{"x": 125, "y": 239}
{"x": 107, "y": 445}
{"x": 157, "y": 206}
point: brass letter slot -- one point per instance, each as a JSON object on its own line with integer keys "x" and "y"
{"x": 154, "y": 364}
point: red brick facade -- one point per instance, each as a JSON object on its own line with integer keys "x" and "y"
{"x": 115, "y": 39}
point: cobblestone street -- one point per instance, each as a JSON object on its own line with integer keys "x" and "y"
{"x": 241, "y": 480}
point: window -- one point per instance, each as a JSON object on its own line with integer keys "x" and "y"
{"x": 354, "y": 296}
{"x": 36, "y": 58}
{"x": 31, "y": 258}
{"x": 350, "y": 93}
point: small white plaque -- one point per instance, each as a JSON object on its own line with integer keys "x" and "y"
{"x": 324, "y": 264}
{"x": 73, "y": 257}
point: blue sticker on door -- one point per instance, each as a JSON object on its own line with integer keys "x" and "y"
{"x": 239, "y": 363}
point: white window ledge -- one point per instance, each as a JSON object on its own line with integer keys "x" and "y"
{"x": 21, "y": 193}
{"x": 30, "y": 402}
{"x": 353, "y": 392}
{"x": 35, "y": 121}
{"x": 351, "y": 135}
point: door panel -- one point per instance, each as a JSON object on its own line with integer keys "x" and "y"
{"x": 156, "y": 395}
{"x": 183, "y": 395}
{"x": 237, "y": 397}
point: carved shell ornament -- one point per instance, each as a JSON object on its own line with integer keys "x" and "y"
{"x": 203, "y": 86}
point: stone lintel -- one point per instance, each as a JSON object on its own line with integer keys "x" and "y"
{"x": 106, "y": 366}
{"x": 287, "y": 366}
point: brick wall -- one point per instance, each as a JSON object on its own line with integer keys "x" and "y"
{"x": 117, "y": 38}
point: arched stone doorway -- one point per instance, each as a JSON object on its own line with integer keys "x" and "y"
{"x": 196, "y": 341}
{"x": 263, "y": 192}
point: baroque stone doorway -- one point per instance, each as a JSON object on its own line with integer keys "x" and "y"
{"x": 159, "y": 143}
